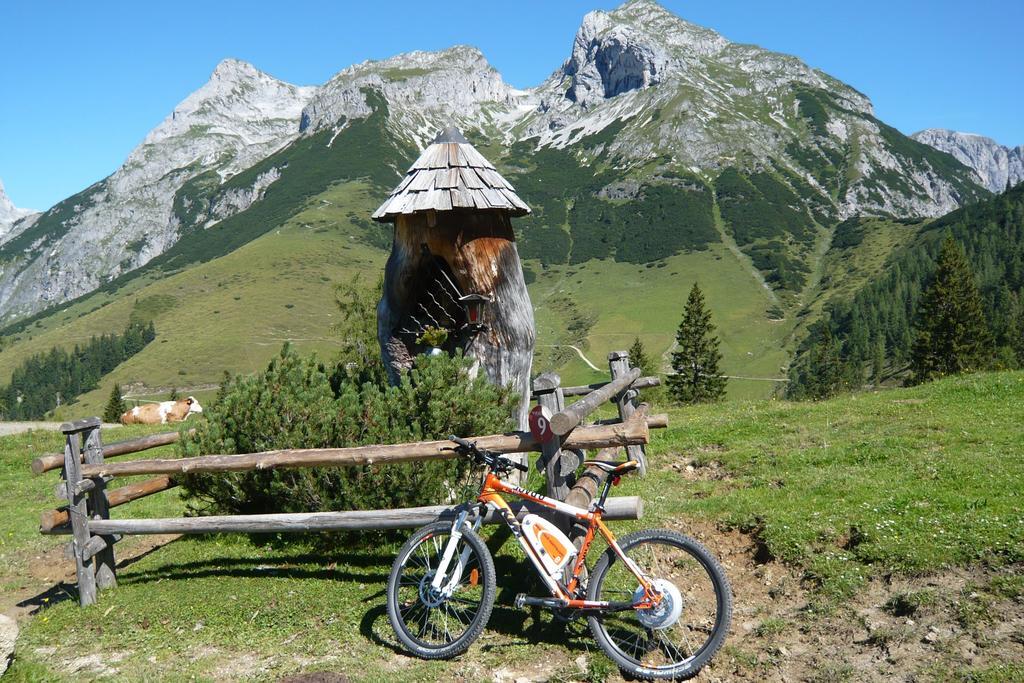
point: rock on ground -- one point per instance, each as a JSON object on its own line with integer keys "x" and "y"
{"x": 8, "y": 636}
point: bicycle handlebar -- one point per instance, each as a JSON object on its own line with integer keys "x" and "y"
{"x": 489, "y": 458}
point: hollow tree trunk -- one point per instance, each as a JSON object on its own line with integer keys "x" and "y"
{"x": 435, "y": 258}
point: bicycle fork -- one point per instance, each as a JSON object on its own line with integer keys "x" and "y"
{"x": 449, "y": 552}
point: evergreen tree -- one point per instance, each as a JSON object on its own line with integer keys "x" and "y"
{"x": 952, "y": 333}
{"x": 695, "y": 360}
{"x": 115, "y": 405}
{"x": 820, "y": 372}
{"x": 638, "y": 358}
{"x": 878, "y": 360}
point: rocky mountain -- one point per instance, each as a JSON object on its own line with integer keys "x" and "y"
{"x": 709, "y": 140}
{"x": 424, "y": 92}
{"x": 10, "y": 214}
{"x": 996, "y": 165}
{"x": 239, "y": 116}
{"x": 706, "y": 103}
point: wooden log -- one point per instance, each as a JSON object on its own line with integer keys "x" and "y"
{"x": 571, "y": 416}
{"x": 587, "y": 485}
{"x": 78, "y": 514}
{"x": 60, "y": 490}
{"x": 106, "y": 576}
{"x": 634, "y": 431}
{"x": 658, "y": 421}
{"x": 430, "y": 267}
{"x": 618, "y": 365}
{"x": 626, "y": 507}
{"x": 52, "y": 519}
{"x": 583, "y": 390}
{"x": 52, "y": 461}
{"x": 82, "y": 425}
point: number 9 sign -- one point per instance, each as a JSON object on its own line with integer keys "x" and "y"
{"x": 540, "y": 424}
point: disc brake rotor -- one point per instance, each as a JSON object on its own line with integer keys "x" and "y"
{"x": 666, "y": 612}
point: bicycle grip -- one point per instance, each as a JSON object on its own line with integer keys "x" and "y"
{"x": 461, "y": 442}
{"x": 518, "y": 465}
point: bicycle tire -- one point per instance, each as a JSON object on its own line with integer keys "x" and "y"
{"x": 412, "y": 558}
{"x": 653, "y": 639}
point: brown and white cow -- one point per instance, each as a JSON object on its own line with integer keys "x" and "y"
{"x": 162, "y": 413}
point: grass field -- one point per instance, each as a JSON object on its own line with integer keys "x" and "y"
{"x": 876, "y": 536}
{"x": 630, "y": 300}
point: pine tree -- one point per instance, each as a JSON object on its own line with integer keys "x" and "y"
{"x": 638, "y": 358}
{"x": 695, "y": 360}
{"x": 952, "y": 333}
{"x": 825, "y": 370}
{"x": 115, "y": 405}
{"x": 878, "y": 360}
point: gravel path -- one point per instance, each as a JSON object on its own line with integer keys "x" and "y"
{"x": 9, "y": 428}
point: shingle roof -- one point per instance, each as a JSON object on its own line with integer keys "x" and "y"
{"x": 451, "y": 174}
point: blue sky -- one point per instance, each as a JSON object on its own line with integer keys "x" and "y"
{"x": 82, "y": 83}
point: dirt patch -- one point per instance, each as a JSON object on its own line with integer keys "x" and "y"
{"x": 49, "y": 576}
{"x": 895, "y": 629}
{"x": 697, "y": 470}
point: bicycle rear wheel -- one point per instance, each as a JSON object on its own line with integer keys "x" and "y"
{"x": 678, "y": 637}
{"x": 429, "y": 624}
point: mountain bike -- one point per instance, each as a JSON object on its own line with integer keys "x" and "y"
{"x": 656, "y": 601}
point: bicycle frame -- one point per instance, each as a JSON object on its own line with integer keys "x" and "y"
{"x": 490, "y": 495}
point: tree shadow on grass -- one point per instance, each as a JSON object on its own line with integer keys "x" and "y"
{"x": 300, "y": 565}
{"x": 519, "y": 626}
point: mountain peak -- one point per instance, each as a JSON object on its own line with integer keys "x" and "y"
{"x": 995, "y": 164}
{"x": 633, "y": 46}
{"x": 235, "y": 69}
{"x": 9, "y": 213}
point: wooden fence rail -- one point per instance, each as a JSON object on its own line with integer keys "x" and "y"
{"x": 45, "y": 463}
{"x": 601, "y": 436}
{"x": 623, "y": 507}
{"x": 86, "y": 473}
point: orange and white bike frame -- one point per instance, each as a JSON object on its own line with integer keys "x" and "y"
{"x": 490, "y": 495}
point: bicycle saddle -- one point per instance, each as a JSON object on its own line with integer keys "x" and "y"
{"x": 614, "y": 468}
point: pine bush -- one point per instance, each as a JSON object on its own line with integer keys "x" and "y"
{"x": 299, "y": 402}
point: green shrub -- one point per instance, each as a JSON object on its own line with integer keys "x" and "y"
{"x": 292, "y": 404}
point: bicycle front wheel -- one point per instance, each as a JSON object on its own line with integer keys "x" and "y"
{"x": 679, "y": 636}
{"x": 442, "y": 624}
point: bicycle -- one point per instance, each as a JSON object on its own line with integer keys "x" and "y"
{"x": 657, "y": 602}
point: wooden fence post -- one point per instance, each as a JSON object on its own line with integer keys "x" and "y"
{"x": 99, "y": 508}
{"x": 555, "y": 463}
{"x": 618, "y": 363}
{"x": 77, "y": 508}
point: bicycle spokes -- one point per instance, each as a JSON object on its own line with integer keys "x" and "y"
{"x": 680, "y": 625}
{"x": 438, "y": 616}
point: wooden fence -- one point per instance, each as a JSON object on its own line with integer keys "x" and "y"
{"x": 86, "y": 473}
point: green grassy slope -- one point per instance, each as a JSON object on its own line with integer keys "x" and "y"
{"x": 232, "y": 313}
{"x": 844, "y": 497}
{"x": 631, "y": 300}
